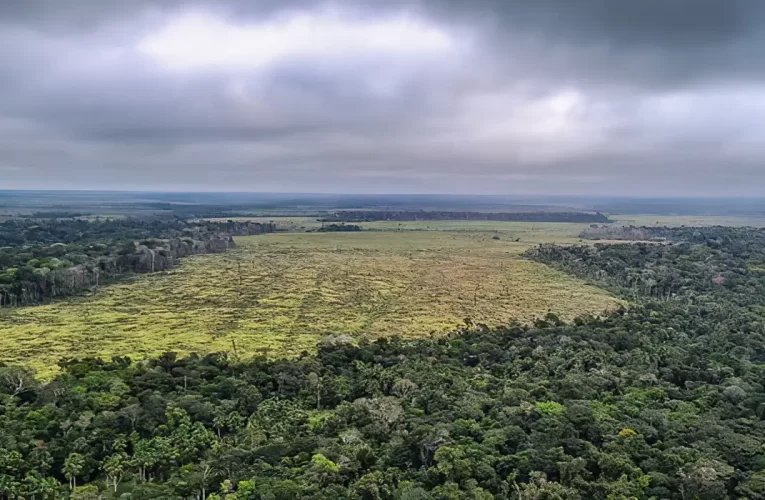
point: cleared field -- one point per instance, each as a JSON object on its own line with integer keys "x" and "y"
{"x": 279, "y": 294}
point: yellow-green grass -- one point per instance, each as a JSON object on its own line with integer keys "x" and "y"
{"x": 281, "y": 293}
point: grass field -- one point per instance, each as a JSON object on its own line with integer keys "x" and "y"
{"x": 280, "y": 293}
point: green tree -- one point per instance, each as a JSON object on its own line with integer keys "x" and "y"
{"x": 73, "y": 466}
{"x": 115, "y": 466}
{"x": 323, "y": 470}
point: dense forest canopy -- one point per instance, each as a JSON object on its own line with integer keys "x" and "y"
{"x": 664, "y": 399}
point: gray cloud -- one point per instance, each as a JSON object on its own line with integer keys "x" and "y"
{"x": 491, "y": 96}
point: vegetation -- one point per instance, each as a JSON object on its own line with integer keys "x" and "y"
{"x": 719, "y": 264}
{"x": 527, "y": 233}
{"x": 661, "y": 400}
{"x": 334, "y": 228}
{"x": 406, "y": 215}
{"x": 45, "y": 259}
{"x": 690, "y": 220}
{"x": 279, "y": 294}
{"x": 664, "y": 233}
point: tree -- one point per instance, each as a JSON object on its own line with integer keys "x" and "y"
{"x": 132, "y": 413}
{"x": 705, "y": 479}
{"x": 452, "y": 463}
{"x": 148, "y": 453}
{"x": 373, "y": 486}
{"x": 73, "y": 466}
{"x": 323, "y": 470}
{"x": 16, "y": 380}
{"x": 539, "y": 488}
{"x": 314, "y": 383}
{"x": 115, "y": 466}
{"x": 186, "y": 438}
{"x": 246, "y": 490}
{"x": 35, "y": 484}
{"x": 754, "y": 486}
{"x": 404, "y": 388}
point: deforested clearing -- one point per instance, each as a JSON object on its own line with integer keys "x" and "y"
{"x": 279, "y": 294}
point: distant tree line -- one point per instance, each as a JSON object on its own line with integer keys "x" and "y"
{"x": 52, "y": 215}
{"x": 334, "y": 228}
{"x": 415, "y": 215}
{"x": 23, "y": 232}
{"x": 653, "y": 233}
{"x": 45, "y": 259}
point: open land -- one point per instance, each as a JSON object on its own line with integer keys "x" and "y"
{"x": 279, "y": 294}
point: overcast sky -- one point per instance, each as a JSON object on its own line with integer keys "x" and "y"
{"x": 649, "y": 97}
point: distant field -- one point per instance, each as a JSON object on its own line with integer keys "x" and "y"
{"x": 529, "y": 232}
{"x": 689, "y": 220}
{"x": 550, "y": 228}
{"x": 280, "y": 293}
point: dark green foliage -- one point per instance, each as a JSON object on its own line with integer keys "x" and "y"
{"x": 333, "y": 228}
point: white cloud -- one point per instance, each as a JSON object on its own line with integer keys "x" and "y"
{"x": 200, "y": 40}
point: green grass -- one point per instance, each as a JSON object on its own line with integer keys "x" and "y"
{"x": 280, "y": 293}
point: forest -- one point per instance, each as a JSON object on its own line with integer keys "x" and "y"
{"x": 660, "y": 399}
{"x": 49, "y": 258}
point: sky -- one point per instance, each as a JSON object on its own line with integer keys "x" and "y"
{"x": 609, "y": 97}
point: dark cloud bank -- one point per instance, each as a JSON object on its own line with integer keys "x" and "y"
{"x": 487, "y": 96}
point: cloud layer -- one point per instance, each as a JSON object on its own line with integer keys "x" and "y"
{"x": 488, "y": 96}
